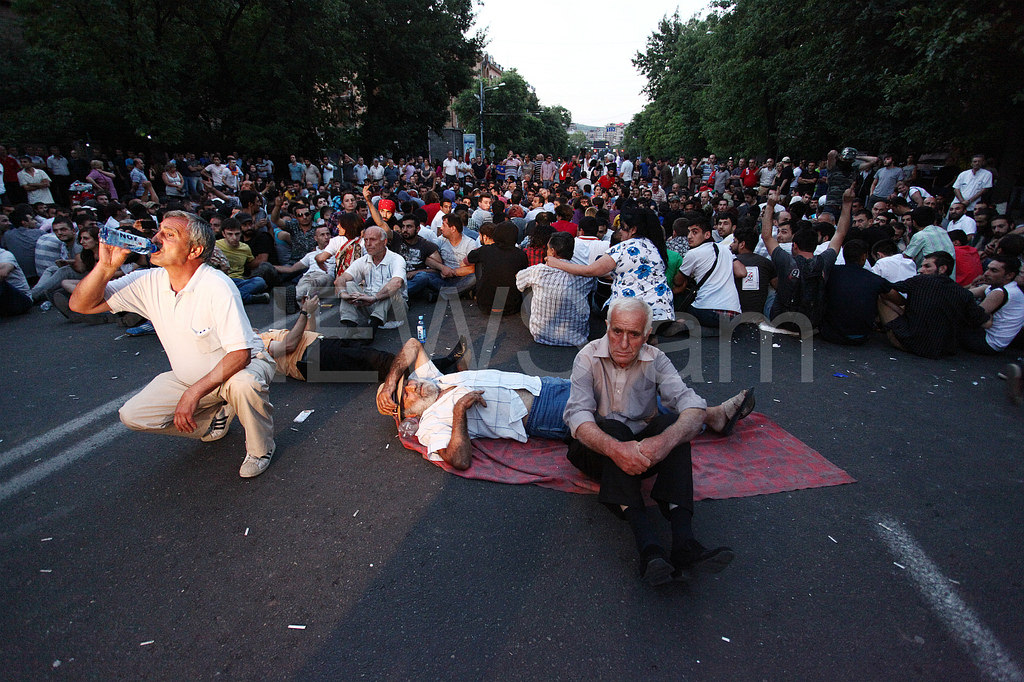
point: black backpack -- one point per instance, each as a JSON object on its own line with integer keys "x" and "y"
{"x": 807, "y": 280}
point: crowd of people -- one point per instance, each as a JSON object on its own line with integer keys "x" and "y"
{"x": 848, "y": 249}
{"x": 726, "y": 241}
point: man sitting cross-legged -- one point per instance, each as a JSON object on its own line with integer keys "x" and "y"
{"x": 456, "y": 408}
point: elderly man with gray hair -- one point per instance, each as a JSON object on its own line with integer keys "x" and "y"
{"x": 219, "y": 368}
{"x": 632, "y": 417}
{"x": 608, "y": 412}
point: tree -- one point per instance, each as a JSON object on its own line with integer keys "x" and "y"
{"x": 758, "y": 77}
{"x": 513, "y": 116}
{"x": 266, "y": 75}
{"x": 577, "y": 143}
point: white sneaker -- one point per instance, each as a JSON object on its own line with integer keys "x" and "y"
{"x": 254, "y": 466}
{"x": 221, "y": 424}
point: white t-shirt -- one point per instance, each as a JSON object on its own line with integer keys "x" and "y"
{"x": 336, "y": 244}
{"x": 719, "y": 291}
{"x": 309, "y": 260}
{"x": 966, "y": 223}
{"x": 595, "y": 247}
{"x": 197, "y": 326}
{"x": 627, "y": 171}
{"x": 218, "y": 174}
{"x": 895, "y": 268}
{"x": 450, "y": 166}
{"x": 435, "y": 224}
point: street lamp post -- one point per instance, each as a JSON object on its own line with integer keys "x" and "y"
{"x": 480, "y": 97}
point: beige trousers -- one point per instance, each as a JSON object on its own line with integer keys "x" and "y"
{"x": 248, "y": 391}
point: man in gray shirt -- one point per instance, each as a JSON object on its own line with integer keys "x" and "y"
{"x": 620, "y": 436}
{"x": 885, "y": 180}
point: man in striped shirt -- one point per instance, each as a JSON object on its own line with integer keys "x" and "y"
{"x": 559, "y": 309}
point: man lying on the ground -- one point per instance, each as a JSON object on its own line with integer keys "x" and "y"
{"x": 302, "y": 351}
{"x": 453, "y": 409}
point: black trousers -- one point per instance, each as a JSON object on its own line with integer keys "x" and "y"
{"x": 336, "y": 355}
{"x": 674, "y": 484}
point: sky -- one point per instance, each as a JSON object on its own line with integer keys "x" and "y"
{"x": 585, "y": 63}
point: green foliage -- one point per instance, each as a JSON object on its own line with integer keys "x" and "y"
{"x": 798, "y": 77}
{"x": 267, "y": 75}
{"x": 513, "y": 116}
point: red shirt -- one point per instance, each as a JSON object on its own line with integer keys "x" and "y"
{"x": 431, "y": 210}
{"x": 566, "y": 226}
{"x": 749, "y": 177}
{"x": 606, "y": 181}
{"x": 11, "y": 168}
{"x": 968, "y": 264}
{"x": 566, "y": 171}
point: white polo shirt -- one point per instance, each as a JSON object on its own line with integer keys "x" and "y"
{"x": 197, "y": 326}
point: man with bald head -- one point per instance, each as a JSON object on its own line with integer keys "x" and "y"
{"x": 616, "y": 438}
{"x": 371, "y": 283}
{"x": 622, "y": 434}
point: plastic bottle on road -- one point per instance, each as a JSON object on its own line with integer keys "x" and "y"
{"x": 127, "y": 240}
{"x": 421, "y": 330}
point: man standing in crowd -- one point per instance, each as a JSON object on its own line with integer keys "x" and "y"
{"x": 218, "y": 367}
{"x": 34, "y": 182}
{"x": 972, "y": 184}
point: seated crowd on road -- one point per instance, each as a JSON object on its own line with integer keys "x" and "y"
{"x": 848, "y": 248}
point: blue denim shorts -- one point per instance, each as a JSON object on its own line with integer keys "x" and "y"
{"x": 545, "y": 418}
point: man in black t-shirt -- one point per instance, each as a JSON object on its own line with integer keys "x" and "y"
{"x": 422, "y": 260}
{"x": 851, "y": 298}
{"x": 802, "y": 275}
{"x": 760, "y": 278}
{"x": 264, "y": 252}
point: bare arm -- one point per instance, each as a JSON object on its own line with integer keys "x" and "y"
{"x": 770, "y": 242}
{"x": 602, "y": 266}
{"x": 626, "y": 455}
{"x": 411, "y": 355}
{"x": 843, "y": 226}
{"x": 686, "y": 428}
{"x": 995, "y": 298}
{"x": 5, "y": 269}
{"x": 459, "y": 452}
{"x": 229, "y": 365}
{"x": 738, "y": 268}
{"x": 88, "y": 295}
{"x": 302, "y": 324}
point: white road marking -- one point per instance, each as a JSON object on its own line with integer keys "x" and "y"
{"x": 37, "y": 473}
{"x": 979, "y": 642}
{"x": 53, "y": 435}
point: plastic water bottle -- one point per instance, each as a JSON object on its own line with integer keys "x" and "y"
{"x": 127, "y": 240}
{"x": 408, "y": 426}
{"x": 421, "y": 330}
{"x": 45, "y": 305}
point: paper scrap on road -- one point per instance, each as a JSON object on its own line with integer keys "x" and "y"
{"x": 46, "y": 570}
{"x": 832, "y": 539}
{"x": 357, "y": 511}
{"x": 247, "y": 531}
{"x": 296, "y": 627}
{"x": 726, "y": 639}
{"x": 45, "y": 539}
{"x": 900, "y": 566}
{"x": 147, "y": 642}
{"x": 302, "y": 416}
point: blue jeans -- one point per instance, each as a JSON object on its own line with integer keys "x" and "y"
{"x": 250, "y": 286}
{"x": 545, "y": 418}
{"x": 423, "y": 282}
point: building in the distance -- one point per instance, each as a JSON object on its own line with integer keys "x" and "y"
{"x": 453, "y": 137}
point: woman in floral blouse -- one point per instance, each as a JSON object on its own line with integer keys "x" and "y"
{"x": 637, "y": 264}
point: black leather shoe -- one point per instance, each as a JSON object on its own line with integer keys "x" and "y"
{"x": 693, "y": 556}
{"x": 655, "y": 568}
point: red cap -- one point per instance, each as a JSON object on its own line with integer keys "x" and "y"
{"x": 386, "y": 205}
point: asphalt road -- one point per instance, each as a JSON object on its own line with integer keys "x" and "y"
{"x": 127, "y": 555}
